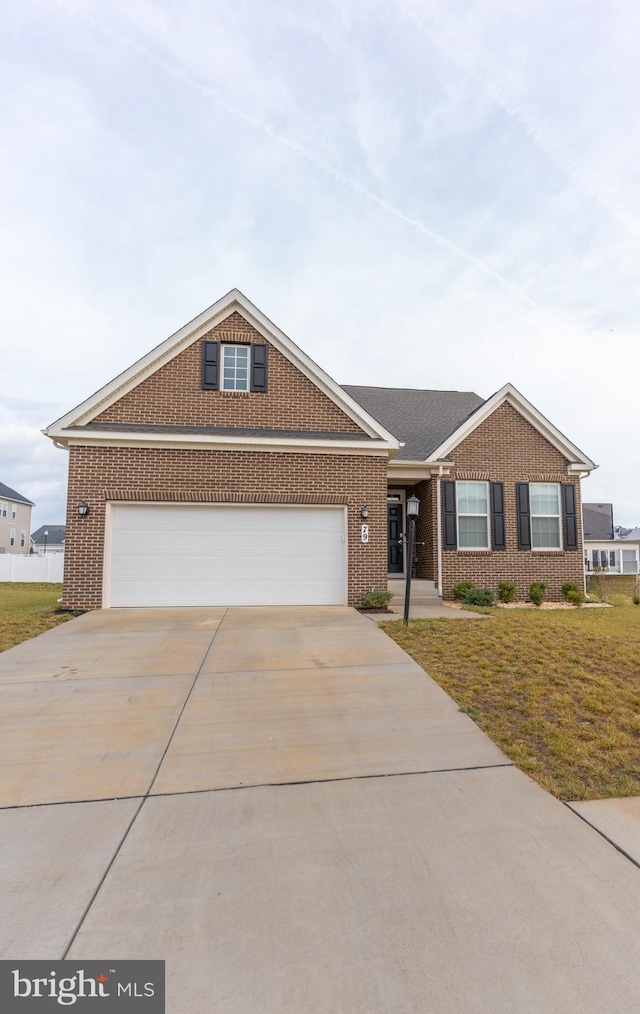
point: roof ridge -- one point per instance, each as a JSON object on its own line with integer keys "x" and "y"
{"x": 421, "y": 390}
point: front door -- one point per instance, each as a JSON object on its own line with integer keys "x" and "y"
{"x": 395, "y": 559}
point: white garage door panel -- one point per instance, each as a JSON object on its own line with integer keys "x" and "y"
{"x": 229, "y": 555}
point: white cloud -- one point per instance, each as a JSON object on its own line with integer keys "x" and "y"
{"x": 450, "y": 206}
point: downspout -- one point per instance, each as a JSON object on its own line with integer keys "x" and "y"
{"x": 439, "y": 528}
{"x": 581, "y": 476}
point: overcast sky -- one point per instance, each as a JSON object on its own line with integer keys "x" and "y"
{"x": 425, "y": 194}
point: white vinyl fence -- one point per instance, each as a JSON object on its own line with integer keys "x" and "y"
{"x": 31, "y": 568}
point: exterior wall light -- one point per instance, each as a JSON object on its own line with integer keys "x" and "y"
{"x": 83, "y": 508}
{"x": 413, "y": 507}
{"x": 364, "y": 512}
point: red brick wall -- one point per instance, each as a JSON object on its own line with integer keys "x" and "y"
{"x": 426, "y": 532}
{"x": 98, "y": 474}
{"x": 506, "y": 448}
{"x": 174, "y": 396}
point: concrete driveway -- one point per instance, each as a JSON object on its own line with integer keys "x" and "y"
{"x": 283, "y": 806}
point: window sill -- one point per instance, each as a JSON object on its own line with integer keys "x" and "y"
{"x": 474, "y": 552}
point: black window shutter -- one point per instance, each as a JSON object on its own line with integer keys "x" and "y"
{"x": 497, "y": 516}
{"x": 570, "y": 520}
{"x": 210, "y": 366}
{"x": 258, "y": 367}
{"x": 450, "y": 537}
{"x": 524, "y": 521}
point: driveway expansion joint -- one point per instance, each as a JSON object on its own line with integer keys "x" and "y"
{"x": 617, "y": 847}
{"x": 328, "y": 781}
{"x": 124, "y": 837}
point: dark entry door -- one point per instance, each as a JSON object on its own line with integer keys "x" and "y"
{"x": 395, "y": 561}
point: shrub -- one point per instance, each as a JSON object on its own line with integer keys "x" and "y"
{"x": 636, "y": 600}
{"x": 507, "y": 591}
{"x": 569, "y": 586}
{"x": 460, "y": 590}
{"x": 376, "y": 599}
{"x": 479, "y": 597}
{"x": 537, "y": 592}
{"x": 599, "y": 584}
{"x": 574, "y": 596}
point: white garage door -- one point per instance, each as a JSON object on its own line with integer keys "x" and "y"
{"x": 204, "y": 555}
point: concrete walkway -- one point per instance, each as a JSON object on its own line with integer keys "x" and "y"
{"x": 284, "y": 807}
{"x": 424, "y": 603}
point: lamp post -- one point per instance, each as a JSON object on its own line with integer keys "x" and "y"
{"x": 413, "y": 509}
{"x": 46, "y": 536}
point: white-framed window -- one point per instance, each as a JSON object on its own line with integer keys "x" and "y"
{"x": 23, "y": 539}
{"x": 545, "y": 515}
{"x": 14, "y": 510}
{"x": 3, "y": 509}
{"x": 472, "y": 508}
{"x": 612, "y": 558}
{"x": 235, "y": 367}
{"x": 12, "y": 537}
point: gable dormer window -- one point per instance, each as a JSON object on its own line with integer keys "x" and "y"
{"x": 234, "y": 367}
{"x": 236, "y": 361}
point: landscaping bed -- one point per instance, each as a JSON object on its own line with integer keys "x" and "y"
{"x": 557, "y": 690}
{"x": 27, "y": 609}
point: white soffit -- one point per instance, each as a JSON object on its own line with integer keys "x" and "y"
{"x": 233, "y": 302}
{"x": 578, "y": 461}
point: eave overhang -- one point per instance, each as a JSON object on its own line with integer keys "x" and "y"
{"x": 79, "y": 437}
{"x": 414, "y": 471}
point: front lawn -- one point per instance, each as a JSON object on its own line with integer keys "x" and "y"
{"x": 27, "y": 609}
{"x": 558, "y": 691}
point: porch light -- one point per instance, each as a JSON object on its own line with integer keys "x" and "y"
{"x": 413, "y": 507}
{"x": 83, "y": 508}
{"x": 364, "y": 512}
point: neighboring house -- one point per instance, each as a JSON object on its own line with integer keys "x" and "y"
{"x": 226, "y": 468}
{"x": 15, "y": 521}
{"x": 48, "y": 539}
{"x": 604, "y": 548}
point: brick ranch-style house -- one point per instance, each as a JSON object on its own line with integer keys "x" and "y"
{"x": 226, "y": 468}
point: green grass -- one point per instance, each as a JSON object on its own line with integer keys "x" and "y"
{"x": 27, "y": 609}
{"x": 558, "y": 691}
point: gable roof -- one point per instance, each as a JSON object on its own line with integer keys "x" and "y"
{"x": 54, "y": 538}
{"x": 421, "y": 420}
{"x": 457, "y": 415}
{"x": 597, "y": 521}
{"x": 633, "y": 536}
{"x": 6, "y": 493}
{"x": 69, "y": 425}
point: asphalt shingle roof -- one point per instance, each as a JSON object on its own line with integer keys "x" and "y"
{"x": 597, "y": 521}
{"x": 420, "y": 419}
{"x": 243, "y": 431}
{"x": 6, "y": 493}
{"x": 55, "y": 536}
